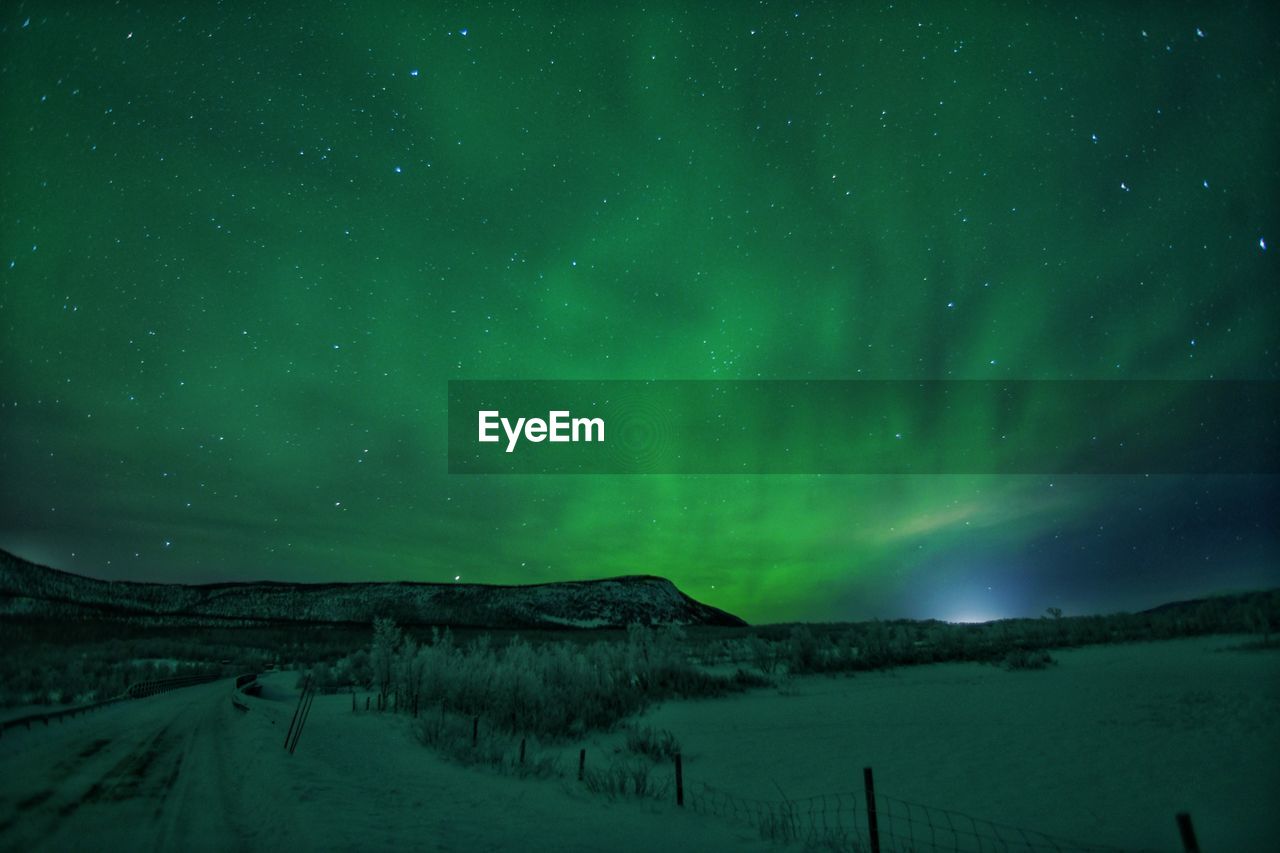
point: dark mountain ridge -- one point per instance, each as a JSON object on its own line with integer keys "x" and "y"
{"x": 31, "y": 591}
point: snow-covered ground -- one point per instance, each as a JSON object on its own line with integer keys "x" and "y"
{"x": 187, "y": 771}
{"x": 1106, "y": 747}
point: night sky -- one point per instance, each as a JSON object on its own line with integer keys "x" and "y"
{"x": 245, "y": 246}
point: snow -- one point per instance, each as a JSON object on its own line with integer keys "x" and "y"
{"x": 577, "y": 623}
{"x": 187, "y": 771}
{"x": 1106, "y": 747}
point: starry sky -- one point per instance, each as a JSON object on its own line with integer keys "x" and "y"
{"x": 244, "y": 247}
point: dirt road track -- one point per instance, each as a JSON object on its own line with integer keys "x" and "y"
{"x": 188, "y": 771}
{"x": 113, "y": 779}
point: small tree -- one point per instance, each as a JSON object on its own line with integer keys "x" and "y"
{"x": 802, "y": 650}
{"x": 763, "y": 654}
{"x": 386, "y": 642}
{"x": 1260, "y": 621}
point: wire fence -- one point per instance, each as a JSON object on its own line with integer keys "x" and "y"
{"x": 846, "y": 822}
{"x": 843, "y": 822}
{"x": 911, "y": 826}
{"x": 831, "y": 820}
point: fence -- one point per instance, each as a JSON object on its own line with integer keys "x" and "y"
{"x": 134, "y": 691}
{"x": 865, "y": 822}
{"x": 870, "y": 821}
{"x": 858, "y": 822}
{"x": 164, "y": 685}
{"x": 60, "y": 716}
{"x": 248, "y": 685}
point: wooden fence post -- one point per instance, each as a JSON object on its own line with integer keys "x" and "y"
{"x": 873, "y": 828}
{"x": 582, "y": 762}
{"x": 679, "y": 781}
{"x": 1188, "y": 833}
{"x": 353, "y": 701}
{"x": 475, "y": 730}
{"x": 366, "y": 703}
{"x": 522, "y": 751}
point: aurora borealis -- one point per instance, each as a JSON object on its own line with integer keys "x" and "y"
{"x": 245, "y": 248}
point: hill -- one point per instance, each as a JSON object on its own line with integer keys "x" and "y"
{"x": 32, "y": 591}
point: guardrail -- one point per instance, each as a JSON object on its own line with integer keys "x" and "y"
{"x": 60, "y": 716}
{"x": 247, "y": 685}
{"x": 134, "y": 691}
{"x": 164, "y": 685}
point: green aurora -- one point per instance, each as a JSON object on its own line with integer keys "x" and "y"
{"x": 244, "y": 248}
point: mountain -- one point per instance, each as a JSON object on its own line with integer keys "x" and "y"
{"x": 1221, "y": 600}
{"x": 31, "y": 591}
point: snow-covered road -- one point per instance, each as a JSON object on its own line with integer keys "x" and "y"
{"x": 188, "y": 771}
{"x": 123, "y": 776}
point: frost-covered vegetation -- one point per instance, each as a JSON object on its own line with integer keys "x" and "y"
{"x": 557, "y": 686}
{"x": 47, "y": 663}
{"x": 496, "y": 703}
{"x": 558, "y": 689}
{"x": 584, "y": 678}
{"x": 86, "y": 679}
{"x": 1013, "y": 643}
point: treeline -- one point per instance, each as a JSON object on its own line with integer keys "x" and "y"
{"x": 84, "y": 679}
{"x": 557, "y": 689}
{"x": 563, "y": 687}
{"x": 50, "y": 663}
{"x": 1016, "y": 643}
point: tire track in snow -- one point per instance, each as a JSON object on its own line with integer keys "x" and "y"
{"x": 110, "y": 783}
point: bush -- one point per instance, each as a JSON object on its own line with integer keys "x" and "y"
{"x": 657, "y": 744}
{"x": 802, "y": 651}
{"x": 558, "y": 690}
{"x": 626, "y": 779}
{"x": 1027, "y": 659}
{"x": 744, "y": 680}
{"x": 451, "y": 736}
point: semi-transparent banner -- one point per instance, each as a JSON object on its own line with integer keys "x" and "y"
{"x": 863, "y": 427}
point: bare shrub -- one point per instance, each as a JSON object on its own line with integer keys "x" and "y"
{"x": 633, "y": 778}
{"x": 557, "y": 690}
{"x": 657, "y": 744}
{"x": 1028, "y": 659}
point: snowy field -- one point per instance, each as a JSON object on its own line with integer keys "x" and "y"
{"x": 1104, "y": 748}
{"x": 187, "y": 771}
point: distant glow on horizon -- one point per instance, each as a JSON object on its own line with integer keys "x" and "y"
{"x": 973, "y": 619}
{"x": 222, "y": 363}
